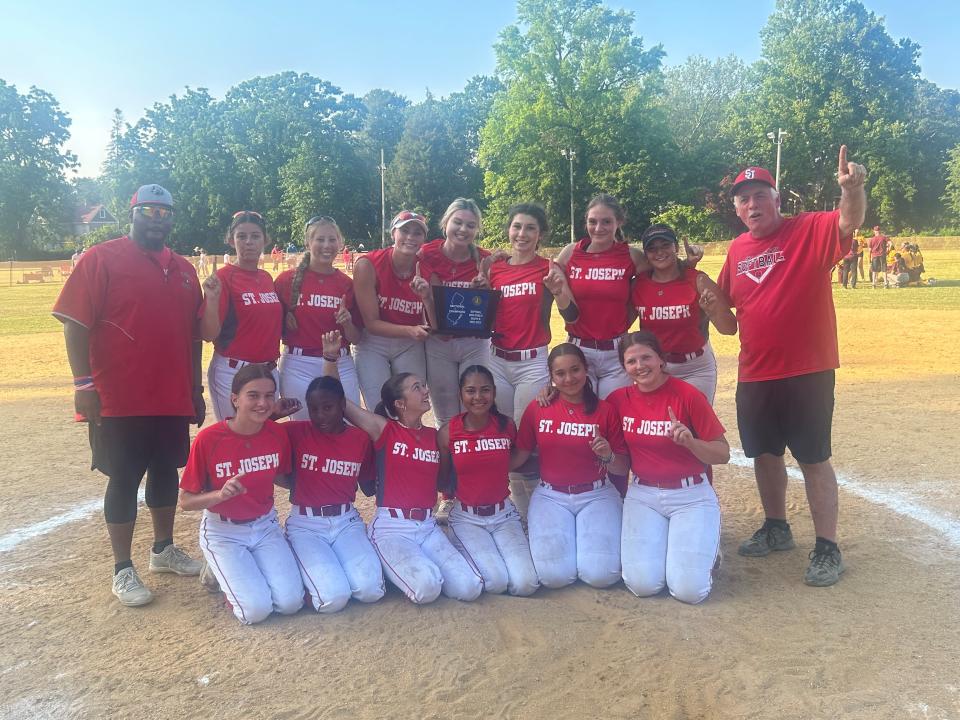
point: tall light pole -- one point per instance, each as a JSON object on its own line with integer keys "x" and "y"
{"x": 570, "y": 153}
{"x": 383, "y": 201}
{"x": 778, "y": 139}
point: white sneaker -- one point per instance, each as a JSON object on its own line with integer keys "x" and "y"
{"x": 442, "y": 514}
{"x": 174, "y": 560}
{"x": 208, "y": 579}
{"x": 129, "y": 588}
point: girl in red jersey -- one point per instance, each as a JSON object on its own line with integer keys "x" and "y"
{"x": 416, "y": 555}
{"x": 230, "y": 476}
{"x": 316, "y": 298}
{"x": 453, "y": 260}
{"x": 522, "y": 324}
{"x": 474, "y": 462}
{"x": 328, "y": 537}
{"x": 671, "y": 515}
{"x": 242, "y": 314}
{"x": 676, "y": 303}
{"x": 600, "y": 269}
{"x": 390, "y": 295}
{"x": 575, "y": 512}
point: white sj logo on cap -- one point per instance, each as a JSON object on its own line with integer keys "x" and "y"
{"x": 748, "y": 173}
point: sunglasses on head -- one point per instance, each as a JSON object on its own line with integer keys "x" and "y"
{"x": 152, "y": 211}
{"x": 321, "y": 218}
{"x": 247, "y": 212}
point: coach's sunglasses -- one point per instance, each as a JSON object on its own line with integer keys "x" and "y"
{"x": 152, "y": 211}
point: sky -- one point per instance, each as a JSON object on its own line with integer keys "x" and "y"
{"x": 94, "y": 57}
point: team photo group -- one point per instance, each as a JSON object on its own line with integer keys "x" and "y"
{"x": 589, "y": 460}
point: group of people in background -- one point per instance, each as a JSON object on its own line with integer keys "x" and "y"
{"x": 889, "y": 266}
{"x": 589, "y": 461}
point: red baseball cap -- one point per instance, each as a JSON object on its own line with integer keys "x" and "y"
{"x": 753, "y": 174}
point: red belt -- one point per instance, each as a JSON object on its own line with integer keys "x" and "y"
{"x": 676, "y": 484}
{"x": 232, "y": 521}
{"x": 514, "y": 355}
{"x": 307, "y": 352}
{"x": 574, "y": 489}
{"x": 410, "y": 513}
{"x": 593, "y": 344}
{"x": 234, "y": 363}
{"x": 324, "y": 510}
{"x": 484, "y": 510}
{"x": 682, "y": 357}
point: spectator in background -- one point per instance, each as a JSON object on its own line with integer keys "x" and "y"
{"x": 879, "y": 244}
{"x": 848, "y": 268}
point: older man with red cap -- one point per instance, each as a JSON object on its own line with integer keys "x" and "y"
{"x": 777, "y": 275}
{"x": 129, "y": 312}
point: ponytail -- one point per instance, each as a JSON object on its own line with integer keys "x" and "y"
{"x": 295, "y": 287}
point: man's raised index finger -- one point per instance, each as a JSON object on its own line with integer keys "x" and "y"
{"x": 842, "y": 165}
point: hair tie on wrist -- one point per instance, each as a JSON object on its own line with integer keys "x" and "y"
{"x": 330, "y": 359}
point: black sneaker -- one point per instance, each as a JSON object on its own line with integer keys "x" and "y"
{"x": 767, "y": 539}
{"x": 826, "y": 566}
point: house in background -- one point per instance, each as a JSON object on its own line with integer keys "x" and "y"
{"x": 88, "y": 219}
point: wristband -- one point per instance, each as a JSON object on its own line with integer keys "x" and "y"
{"x": 83, "y": 388}
{"x": 83, "y": 380}
{"x": 607, "y": 460}
{"x": 330, "y": 359}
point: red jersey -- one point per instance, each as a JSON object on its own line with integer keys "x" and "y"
{"x": 251, "y": 316}
{"x": 328, "y": 466}
{"x": 448, "y": 272}
{"x": 218, "y": 453}
{"x": 600, "y": 283}
{"x": 523, "y": 314}
{"x": 654, "y": 456}
{"x": 563, "y": 432}
{"x": 141, "y": 309}
{"x": 398, "y": 303}
{"x": 481, "y": 461}
{"x": 671, "y": 311}
{"x": 320, "y": 297}
{"x": 780, "y": 287}
{"x": 407, "y": 465}
{"x": 878, "y": 246}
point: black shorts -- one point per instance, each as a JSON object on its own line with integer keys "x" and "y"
{"x": 794, "y": 412}
{"x": 878, "y": 264}
{"x": 126, "y": 447}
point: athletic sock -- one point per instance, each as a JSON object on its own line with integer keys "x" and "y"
{"x": 824, "y": 544}
{"x": 160, "y": 545}
{"x": 122, "y": 566}
{"x": 775, "y": 522}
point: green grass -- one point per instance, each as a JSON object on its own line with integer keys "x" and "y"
{"x": 25, "y": 309}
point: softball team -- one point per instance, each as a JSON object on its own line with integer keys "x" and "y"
{"x": 316, "y": 298}
{"x": 242, "y": 315}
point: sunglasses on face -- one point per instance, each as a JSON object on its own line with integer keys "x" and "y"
{"x": 151, "y": 211}
{"x": 321, "y": 218}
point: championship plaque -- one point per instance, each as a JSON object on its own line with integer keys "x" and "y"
{"x": 465, "y": 311}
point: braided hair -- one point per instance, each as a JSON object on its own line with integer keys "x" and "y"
{"x": 302, "y": 267}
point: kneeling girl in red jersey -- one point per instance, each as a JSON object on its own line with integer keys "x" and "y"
{"x": 328, "y": 536}
{"x": 230, "y": 475}
{"x": 671, "y": 516}
{"x": 415, "y": 554}
{"x": 474, "y": 464}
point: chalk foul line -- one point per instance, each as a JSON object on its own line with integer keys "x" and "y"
{"x": 895, "y": 502}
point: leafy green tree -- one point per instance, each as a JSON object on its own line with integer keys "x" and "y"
{"x": 576, "y": 78}
{"x": 33, "y": 191}
{"x": 951, "y": 196}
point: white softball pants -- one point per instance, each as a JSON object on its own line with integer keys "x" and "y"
{"x": 446, "y": 359}
{"x": 576, "y": 536}
{"x": 419, "y": 559}
{"x": 670, "y": 538}
{"x": 219, "y": 382}
{"x": 605, "y": 371}
{"x": 377, "y": 358}
{"x": 700, "y": 372}
{"x": 518, "y": 382}
{"x": 254, "y": 566}
{"x": 497, "y": 548}
{"x": 298, "y": 371}
{"x": 336, "y": 559}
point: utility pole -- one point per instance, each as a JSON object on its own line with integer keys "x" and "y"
{"x": 778, "y": 139}
{"x": 570, "y": 153}
{"x": 383, "y": 201}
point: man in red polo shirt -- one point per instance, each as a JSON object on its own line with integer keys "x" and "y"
{"x": 129, "y": 312}
{"x": 879, "y": 244}
{"x": 777, "y": 275}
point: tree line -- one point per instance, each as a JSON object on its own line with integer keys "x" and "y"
{"x": 574, "y": 86}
